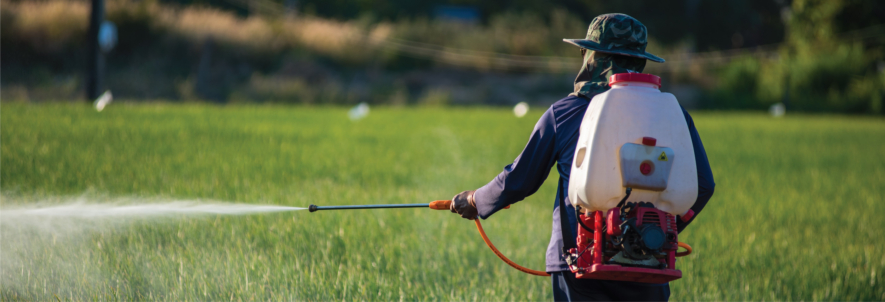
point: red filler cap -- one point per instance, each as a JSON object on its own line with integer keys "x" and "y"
{"x": 635, "y": 77}
{"x": 645, "y": 168}
{"x": 649, "y": 141}
{"x": 688, "y": 215}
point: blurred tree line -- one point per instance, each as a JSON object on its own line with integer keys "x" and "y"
{"x": 709, "y": 24}
{"x": 812, "y": 55}
{"x": 831, "y": 60}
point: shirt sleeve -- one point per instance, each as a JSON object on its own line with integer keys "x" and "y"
{"x": 705, "y": 174}
{"x": 525, "y": 175}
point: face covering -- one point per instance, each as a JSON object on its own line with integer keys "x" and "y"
{"x": 598, "y": 67}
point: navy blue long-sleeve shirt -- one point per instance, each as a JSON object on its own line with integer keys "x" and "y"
{"x": 553, "y": 141}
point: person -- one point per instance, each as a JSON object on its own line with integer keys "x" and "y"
{"x": 615, "y": 43}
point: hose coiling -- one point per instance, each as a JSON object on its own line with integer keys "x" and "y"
{"x": 497, "y": 252}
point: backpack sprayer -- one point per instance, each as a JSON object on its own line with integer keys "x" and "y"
{"x": 635, "y": 131}
{"x": 627, "y": 225}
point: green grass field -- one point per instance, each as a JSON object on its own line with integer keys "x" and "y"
{"x": 797, "y": 215}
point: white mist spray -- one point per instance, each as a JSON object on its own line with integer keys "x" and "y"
{"x": 83, "y": 210}
{"x": 47, "y": 245}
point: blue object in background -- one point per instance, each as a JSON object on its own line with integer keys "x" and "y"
{"x": 461, "y": 14}
{"x": 107, "y": 36}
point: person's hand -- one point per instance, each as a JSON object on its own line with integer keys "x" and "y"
{"x": 464, "y": 205}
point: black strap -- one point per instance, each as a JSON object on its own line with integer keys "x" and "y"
{"x": 568, "y": 241}
{"x": 621, "y": 204}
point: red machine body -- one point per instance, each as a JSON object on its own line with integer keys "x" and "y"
{"x": 602, "y": 242}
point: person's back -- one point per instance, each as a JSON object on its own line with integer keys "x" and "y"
{"x": 615, "y": 44}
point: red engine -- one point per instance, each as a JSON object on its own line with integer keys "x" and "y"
{"x": 636, "y": 242}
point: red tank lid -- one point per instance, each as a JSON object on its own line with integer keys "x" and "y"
{"x": 635, "y": 77}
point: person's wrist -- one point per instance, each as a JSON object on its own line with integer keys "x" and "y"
{"x": 471, "y": 199}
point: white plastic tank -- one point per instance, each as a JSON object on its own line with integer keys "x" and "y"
{"x": 633, "y": 135}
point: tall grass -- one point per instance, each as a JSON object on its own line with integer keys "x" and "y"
{"x": 796, "y": 215}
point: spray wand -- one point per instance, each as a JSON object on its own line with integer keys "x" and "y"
{"x": 436, "y": 205}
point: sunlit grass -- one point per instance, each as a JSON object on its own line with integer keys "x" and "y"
{"x": 796, "y": 215}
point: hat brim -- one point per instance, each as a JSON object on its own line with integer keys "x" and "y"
{"x": 587, "y": 44}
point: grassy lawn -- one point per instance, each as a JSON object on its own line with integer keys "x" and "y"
{"x": 797, "y": 215}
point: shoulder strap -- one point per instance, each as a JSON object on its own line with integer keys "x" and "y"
{"x": 568, "y": 241}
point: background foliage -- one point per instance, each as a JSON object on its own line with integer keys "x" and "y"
{"x": 810, "y": 55}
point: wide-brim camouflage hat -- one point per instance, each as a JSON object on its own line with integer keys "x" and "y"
{"x": 617, "y": 34}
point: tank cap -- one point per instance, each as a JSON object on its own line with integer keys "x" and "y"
{"x": 649, "y": 141}
{"x": 635, "y": 77}
{"x": 687, "y": 216}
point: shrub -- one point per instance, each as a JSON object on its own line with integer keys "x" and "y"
{"x": 817, "y": 69}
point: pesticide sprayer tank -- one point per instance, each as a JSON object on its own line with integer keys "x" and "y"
{"x": 633, "y": 135}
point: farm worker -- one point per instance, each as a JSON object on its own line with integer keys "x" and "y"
{"x": 615, "y": 43}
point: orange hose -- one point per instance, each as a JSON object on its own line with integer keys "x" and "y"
{"x": 497, "y": 252}
{"x": 687, "y": 250}
{"x": 445, "y": 204}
